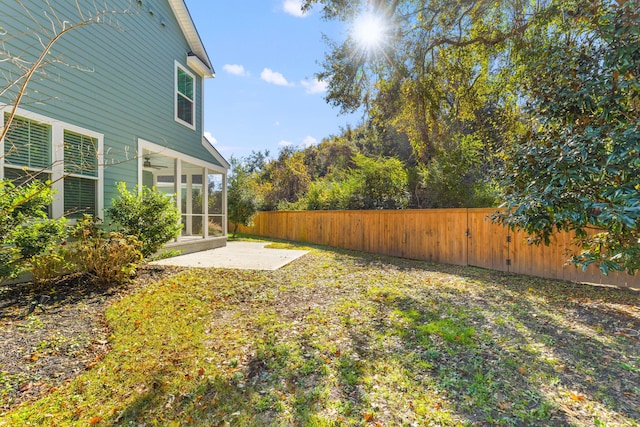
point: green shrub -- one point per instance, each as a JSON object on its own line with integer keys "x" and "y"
{"x": 243, "y": 198}
{"x": 149, "y": 215}
{"x": 36, "y": 236}
{"x": 380, "y": 183}
{"x": 111, "y": 258}
{"x": 457, "y": 177}
{"x": 25, "y": 230}
{"x": 326, "y": 193}
{"x": 48, "y": 265}
{"x": 9, "y": 262}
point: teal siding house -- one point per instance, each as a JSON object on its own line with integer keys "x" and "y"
{"x": 117, "y": 99}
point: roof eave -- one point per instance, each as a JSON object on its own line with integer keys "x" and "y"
{"x": 198, "y": 65}
{"x": 190, "y": 32}
{"x": 215, "y": 153}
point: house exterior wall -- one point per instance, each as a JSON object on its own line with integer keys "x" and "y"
{"x": 118, "y": 79}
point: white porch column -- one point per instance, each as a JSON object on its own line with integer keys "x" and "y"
{"x": 57, "y": 169}
{"x": 177, "y": 186}
{"x": 225, "y": 224}
{"x": 189, "y": 195}
{"x": 205, "y": 203}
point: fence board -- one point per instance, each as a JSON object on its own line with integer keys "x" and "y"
{"x": 451, "y": 236}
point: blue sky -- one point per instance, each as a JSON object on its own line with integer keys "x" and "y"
{"x": 265, "y": 94}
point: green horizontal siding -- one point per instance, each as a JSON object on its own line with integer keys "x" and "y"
{"x": 118, "y": 81}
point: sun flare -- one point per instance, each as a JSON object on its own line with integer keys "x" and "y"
{"x": 369, "y": 31}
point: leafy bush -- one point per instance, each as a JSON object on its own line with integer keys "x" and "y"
{"x": 380, "y": 183}
{"x": 109, "y": 257}
{"x": 325, "y": 194}
{"x": 242, "y": 197}
{"x": 48, "y": 265}
{"x": 25, "y": 230}
{"x": 577, "y": 167}
{"x": 149, "y": 215}
{"x": 36, "y": 236}
{"x": 457, "y": 177}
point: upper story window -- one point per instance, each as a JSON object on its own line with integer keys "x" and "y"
{"x": 185, "y": 97}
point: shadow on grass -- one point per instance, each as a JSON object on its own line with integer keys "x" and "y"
{"x": 67, "y": 290}
{"x": 542, "y": 350}
{"x": 483, "y": 348}
{"x": 396, "y": 342}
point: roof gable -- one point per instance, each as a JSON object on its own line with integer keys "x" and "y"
{"x": 198, "y": 53}
{"x": 215, "y": 153}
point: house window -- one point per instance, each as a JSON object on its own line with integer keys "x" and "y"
{"x": 185, "y": 97}
{"x": 27, "y": 151}
{"x": 38, "y": 147}
{"x": 27, "y": 144}
{"x": 81, "y": 174}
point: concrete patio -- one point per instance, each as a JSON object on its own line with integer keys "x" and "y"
{"x": 237, "y": 255}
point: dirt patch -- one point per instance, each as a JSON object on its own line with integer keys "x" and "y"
{"x": 49, "y": 337}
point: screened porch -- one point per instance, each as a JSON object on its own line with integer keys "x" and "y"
{"x": 199, "y": 190}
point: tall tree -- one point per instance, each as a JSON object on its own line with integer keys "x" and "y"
{"x": 578, "y": 166}
{"x": 437, "y": 70}
{"x": 242, "y": 196}
{"x": 377, "y": 183}
{"x": 560, "y": 76}
{"x": 288, "y": 178}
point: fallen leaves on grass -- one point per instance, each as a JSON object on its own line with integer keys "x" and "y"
{"x": 95, "y": 420}
{"x": 351, "y": 339}
{"x": 577, "y": 397}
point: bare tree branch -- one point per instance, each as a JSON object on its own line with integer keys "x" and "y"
{"x": 59, "y": 28}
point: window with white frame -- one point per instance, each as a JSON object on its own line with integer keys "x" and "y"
{"x": 27, "y": 144}
{"x": 81, "y": 174}
{"x": 45, "y": 149}
{"x": 185, "y": 108}
{"x": 27, "y": 151}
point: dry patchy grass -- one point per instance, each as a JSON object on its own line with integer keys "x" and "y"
{"x": 340, "y": 338}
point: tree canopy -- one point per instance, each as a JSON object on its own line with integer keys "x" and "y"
{"x": 443, "y": 75}
{"x": 242, "y": 197}
{"x": 578, "y": 166}
{"x": 543, "y": 95}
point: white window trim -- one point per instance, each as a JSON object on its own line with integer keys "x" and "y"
{"x": 57, "y": 158}
{"x": 175, "y": 95}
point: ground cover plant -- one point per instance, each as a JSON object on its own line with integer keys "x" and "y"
{"x": 344, "y": 338}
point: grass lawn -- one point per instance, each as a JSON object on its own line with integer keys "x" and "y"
{"x": 343, "y": 338}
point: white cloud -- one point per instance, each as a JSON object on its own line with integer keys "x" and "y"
{"x": 314, "y": 86}
{"x": 294, "y": 8}
{"x": 284, "y": 143}
{"x": 277, "y": 124}
{"x": 235, "y": 69}
{"x": 270, "y": 76}
{"x": 210, "y": 137}
{"x": 308, "y": 141}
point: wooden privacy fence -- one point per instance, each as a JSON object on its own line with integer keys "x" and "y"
{"x": 450, "y": 236}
